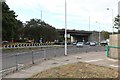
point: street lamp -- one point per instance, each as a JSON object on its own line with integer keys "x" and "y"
{"x": 89, "y": 23}
{"x": 112, "y": 20}
{"x": 65, "y": 30}
{"x": 99, "y": 32}
{"x": 41, "y": 15}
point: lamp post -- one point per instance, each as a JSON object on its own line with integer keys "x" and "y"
{"x": 89, "y": 23}
{"x": 112, "y": 20}
{"x": 41, "y": 15}
{"x": 65, "y": 30}
{"x": 99, "y": 32}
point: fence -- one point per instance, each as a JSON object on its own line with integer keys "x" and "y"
{"x": 108, "y": 48}
{"x": 18, "y": 60}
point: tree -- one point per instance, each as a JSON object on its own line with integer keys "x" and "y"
{"x": 117, "y": 23}
{"x": 10, "y": 24}
{"x": 105, "y": 34}
{"x": 37, "y": 29}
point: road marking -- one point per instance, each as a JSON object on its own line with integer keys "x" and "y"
{"x": 20, "y": 64}
{"x": 94, "y": 60}
{"x": 114, "y": 60}
{"x": 114, "y": 66}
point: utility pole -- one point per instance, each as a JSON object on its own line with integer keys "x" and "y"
{"x": 112, "y": 20}
{"x": 99, "y": 32}
{"x": 89, "y": 23}
{"x": 41, "y": 15}
{"x": 99, "y": 35}
{"x": 65, "y": 30}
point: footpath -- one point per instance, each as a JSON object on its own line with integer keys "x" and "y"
{"x": 97, "y": 58}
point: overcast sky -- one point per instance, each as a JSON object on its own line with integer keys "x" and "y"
{"x": 78, "y": 12}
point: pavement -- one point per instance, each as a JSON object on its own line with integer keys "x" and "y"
{"x": 97, "y": 58}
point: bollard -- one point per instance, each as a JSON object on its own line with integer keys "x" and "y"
{"x": 16, "y": 62}
{"x": 44, "y": 54}
{"x": 55, "y": 52}
{"x": 32, "y": 58}
{"x": 107, "y": 50}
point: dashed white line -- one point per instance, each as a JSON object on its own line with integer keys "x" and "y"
{"x": 94, "y": 60}
{"x": 114, "y": 66}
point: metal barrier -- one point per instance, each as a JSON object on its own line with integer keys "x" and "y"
{"x": 25, "y": 45}
{"x": 17, "y": 60}
{"x": 108, "y": 47}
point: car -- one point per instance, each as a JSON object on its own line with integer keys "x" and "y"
{"x": 87, "y": 43}
{"x": 92, "y": 43}
{"x": 30, "y": 41}
{"x": 79, "y": 44}
{"x": 74, "y": 43}
{"x": 103, "y": 43}
{"x": 5, "y": 42}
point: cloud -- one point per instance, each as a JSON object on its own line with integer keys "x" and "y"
{"x": 78, "y": 11}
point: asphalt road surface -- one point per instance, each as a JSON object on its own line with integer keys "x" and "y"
{"x": 9, "y": 60}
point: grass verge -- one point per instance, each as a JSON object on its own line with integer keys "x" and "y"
{"x": 78, "y": 70}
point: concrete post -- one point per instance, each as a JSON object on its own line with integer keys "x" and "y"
{"x": 44, "y": 54}
{"x": 16, "y": 61}
{"x": 32, "y": 57}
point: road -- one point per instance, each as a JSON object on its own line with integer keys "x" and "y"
{"x": 23, "y": 58}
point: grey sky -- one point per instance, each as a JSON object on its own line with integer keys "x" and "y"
{"x": 78, "y": 12}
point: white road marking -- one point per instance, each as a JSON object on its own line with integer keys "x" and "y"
{"x": 114, "y": 66}
{"x": 114, "y": 60}
{"x": 20, "y": 64}
{"x": 94, "y": 60}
